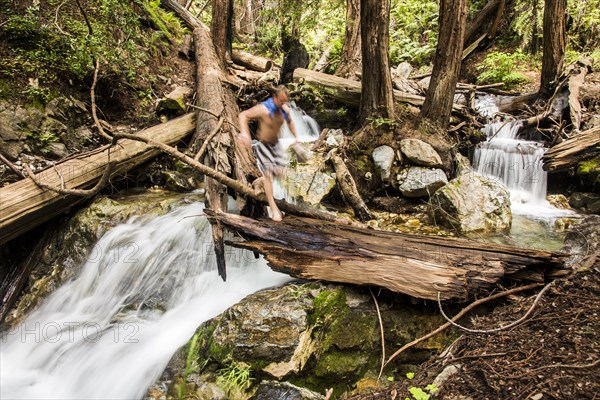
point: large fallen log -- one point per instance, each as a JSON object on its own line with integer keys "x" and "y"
{"x": 420, "y": 266}
{"x": 255, "y": 63}
{"x": 24, "y": 205}
{"x": 570, "y": 152}
{"x": 348, "y": 92}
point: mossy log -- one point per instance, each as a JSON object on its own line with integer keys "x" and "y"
{"x": 419, "y": 266}
{"x": 570, "y": 152}
{"x": 348, "y": 92}
{"x": 24, "y": 205}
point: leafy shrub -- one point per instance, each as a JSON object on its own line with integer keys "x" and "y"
{"x": 413, "y": 31}
{"x": 502, "y": 67}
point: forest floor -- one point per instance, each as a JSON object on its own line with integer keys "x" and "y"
{"x": 554, "y": 354}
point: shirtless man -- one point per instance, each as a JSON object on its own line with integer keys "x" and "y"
{"x": 270, "y": 115}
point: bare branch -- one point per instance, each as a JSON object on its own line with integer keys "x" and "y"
{"x": 208, "y": 139}
{"x": 93, "y": 101}
{"x": 11, "y": 166}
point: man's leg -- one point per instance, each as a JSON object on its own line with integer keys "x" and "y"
{"x": 268, "y": 185}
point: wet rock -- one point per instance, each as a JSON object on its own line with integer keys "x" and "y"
{"x": 586, "y": 202}
{"x": 383, "y": 156}
{"x": 320, "y": 335}
{"x": 558, "y": 201}
{"x": 271, "y": 390}
{"x": 335, "y": 138}
{"x": 420, "y": 153}
{"x": 67, "y": 110}
{"x": 472, "y": 203}
{"x": 583, "y": 242}
{"x": 178, "y": 182}
{"x": 462, "y": 165}
{"x": 310, "y": 181}
{"x": 420, "y": 182}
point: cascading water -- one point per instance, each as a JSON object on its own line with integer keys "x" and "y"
{"x": 515, "y": 162}
{"x": 110, "y": 332}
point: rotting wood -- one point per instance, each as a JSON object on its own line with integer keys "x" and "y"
{"x": 255, "y": 63}
{"x": 349, "y": 190}
{"x": 348, "y": 92}
{"x": 419, "y": 266}
{"x": 568, "y": 153}
{"x": 24, "y": 205}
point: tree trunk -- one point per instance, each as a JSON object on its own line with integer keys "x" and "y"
{"x": 221, "y": 28}
{"x": 555, "y": 12}
{"x": 348, "y": 92}
{"x": 377, "y": 96}
{"x": 482, "y": 17}
{"x": 419, "y": 266}
{"x": 446, "y": 65}
{"x": 247, "y": 19}
{"x": 24, "y": 205}
{"x": 569, "y": 153}
{"x": 351, "y": 57}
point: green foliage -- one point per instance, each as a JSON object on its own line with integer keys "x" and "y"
{"x": 413, "y": 31}
{"x": 377, "y": 122}
{"x": 584, "y": 29}
{"x": 235, "y": 376}
{"x": 191, "y": 366}
{"x": 502, "y": 67}
{"x": 418, "y": 393}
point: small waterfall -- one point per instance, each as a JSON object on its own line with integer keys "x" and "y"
{"x": 515, "y": 162}
{"x": 110, "y": 332}
{"x": 306, "y": 127}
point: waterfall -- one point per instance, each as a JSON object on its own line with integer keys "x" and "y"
{"x": 306, "y": 127}
{"x": 514, "y": 162}
{"x": 110, "y": 331}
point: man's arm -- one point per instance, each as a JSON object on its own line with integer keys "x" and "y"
{"x": 245, "y": 117}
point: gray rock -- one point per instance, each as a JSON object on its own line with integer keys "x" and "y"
{"x": 11, "y": 149}
{"x": 446, "y": 374}
{"x": 335, "y": 138}
{"x": 420, "y": 153}
{"x": 55, "y": 151}
{"x": 403, "y": 69}
{"x": 270, "y": 390}
{"x": 383, "y": 156}
{"x": 424, "y": 83}
{"x": 177, "y": 181}
{"x": 559, "y": 201}
{"x": 420, "y": 182}
{"x": 586, "y": 202}
{"x": 462, "y": 165}
{"x": 308, "y": 182}
{"x": 582, "y": 243}
{"x": 472, "y": 203}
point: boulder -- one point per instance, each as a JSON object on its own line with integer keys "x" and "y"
{"x": 582, "y": 243}
{"x": 586, "y": 202}
{"x": 320, "y": 335}
{"x": 558, "y": 201}
{"x": 420, "y": 153}
{"x": 472, "y": 203}
{"x": 270, "y": 390}
{"x": 383, "y": 156}
{"x": 307, "y": 182}
{"x": 420, "y": 182}
{"x": 55, "y": 151}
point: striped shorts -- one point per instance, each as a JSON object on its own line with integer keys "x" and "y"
{"x": 270, "y": 157}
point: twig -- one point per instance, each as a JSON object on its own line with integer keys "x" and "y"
{"x": 93, "y": 101}
{"x": 56, "y": 19}
{"x": 458, "y": 316}
{"x": 573, "y": 366}
{"x": 202, "y": 8}
{"x": 87, "y": 21}
{"x": 382, "y": 334}
{"x": 76, "y": 192}
{"x": 62, "y": 179}
{"x": 211, "y": 113}
{"x": 12, "y": 166}
{"x": 208, "y": 139}
{"x": 537, "y": 299}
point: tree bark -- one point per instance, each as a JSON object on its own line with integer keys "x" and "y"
{"x": 24, "y": 205}
{"x": 349, "y": 92}
{"x": 482, "y": 16}
{"x": 420, "y": 266}
{"x": 247, "y": 19}
{"x": 555, "y": 12}
{"x": 221, "y": 28}
{"x": 377, "y": 96}
{"x": 446, "y": 65}
{"x": 351, "y": 57}
{"x": 349, "y": 190}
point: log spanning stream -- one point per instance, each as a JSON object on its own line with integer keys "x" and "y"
{"x": 141, "y": 294}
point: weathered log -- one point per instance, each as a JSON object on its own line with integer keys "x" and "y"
{"x": 250, "y": 61}
{"x": 483, "y": 15}
{"x": 348, "y": 92}
{"x": 568, "y": 153}
{"x": 349, "y": 190}
{"x": 24, "y": 205}
{"x": 420, "y": 266}
{"x": 186, "y": 49}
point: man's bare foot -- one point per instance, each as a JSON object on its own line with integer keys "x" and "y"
{"x": 276, "y": 215}
{"x": 259, "y": 185}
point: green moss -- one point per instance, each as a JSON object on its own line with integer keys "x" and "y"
{"x": 327, "y": 305}
{"x": 589, "y": 172}
{"x": 341, "y": 364}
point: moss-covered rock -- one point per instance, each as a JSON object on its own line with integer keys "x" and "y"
{"x": 588, "y": 172}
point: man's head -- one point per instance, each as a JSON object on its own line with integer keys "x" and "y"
{"x": 280, "y": 96}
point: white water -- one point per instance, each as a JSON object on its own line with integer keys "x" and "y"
{"x": 515, "y": 163}
{"x": 110, "y": 332}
